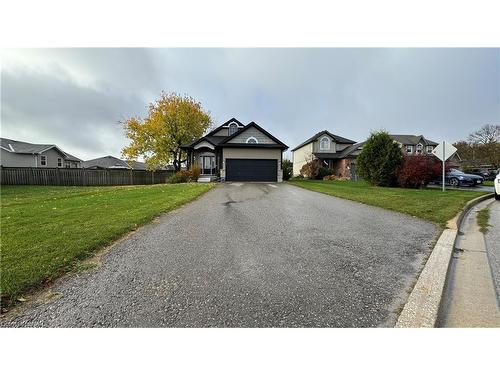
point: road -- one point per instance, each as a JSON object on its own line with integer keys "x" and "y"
{"x": 247, "y": 255}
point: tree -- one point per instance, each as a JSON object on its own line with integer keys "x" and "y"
{"x": 380, "y": 159}
{"x": 482, "y": 146}
{"x": 311, "y": 169}
{"x": 172, "y": 121}
{"x": 287, "y": 167}
{"x": 488, "y": 134}
{"x": 417, "y": 171}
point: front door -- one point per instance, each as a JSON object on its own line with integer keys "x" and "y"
{"x": 208, "y": 165}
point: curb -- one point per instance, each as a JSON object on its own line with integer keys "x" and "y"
{"x": 422, "y": 307}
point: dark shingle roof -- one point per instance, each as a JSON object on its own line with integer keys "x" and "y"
{"x": 111, "y": 162}
{"x": 72, "y": 158}
{"x": 23, "y": 147}
{"x": 106, "y": 162}
{"x": 222, "y": 140}
{"x": 408, "y": 139}
{"x": 337, "y": 138}
{"x": 19, "y": 147}
{"x": 340, "y": 155}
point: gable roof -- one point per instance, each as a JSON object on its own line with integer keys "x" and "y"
{"x": 19, "y": 147}
{"x": 222, "y": 140}
{"x": 337, "y": 138}
{"x": 224, "y": 125}
{"x": 111, "y": 162}
{"x": 348, "y": 151}
{"x": 253, "y": 125}
{"x": 408, "y": 139}
{"x": 72, "y": 158}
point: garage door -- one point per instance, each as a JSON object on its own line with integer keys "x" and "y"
{"x": 251, "y": 170}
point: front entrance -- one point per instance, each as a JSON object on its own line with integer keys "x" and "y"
{"x": 208, "y": 165}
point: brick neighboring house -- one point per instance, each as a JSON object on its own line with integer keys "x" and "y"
{"x": 31, "y": 155}
{"x": 334, "y": 151}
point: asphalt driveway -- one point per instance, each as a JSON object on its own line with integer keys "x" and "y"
{"x": 248, "y": 255}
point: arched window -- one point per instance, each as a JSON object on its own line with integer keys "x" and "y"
{"x": 233, "y": 128}
{"x": 252, "y": 140}
{"x": 324, "y": 143}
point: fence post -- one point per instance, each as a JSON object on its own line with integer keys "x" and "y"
{"x": 152, "y": 177}
{"x": 131, "y": 177}
{"x": 32, "y": 176}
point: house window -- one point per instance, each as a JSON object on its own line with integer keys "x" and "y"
{"x": 419, "y": 148}
{"x": 233, "y": 128}
{"x": 324, "y": 144}
{"x": 409, "y": 149}
{"x": 67, "y": 164}
{"x": 252, "y": 140}
{"x": 429, "y": 149}
{"x": 43, "y": 160}
{"x": 59, "y": 162}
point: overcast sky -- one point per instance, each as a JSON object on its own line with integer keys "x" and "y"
{"x": 75, "y": 97}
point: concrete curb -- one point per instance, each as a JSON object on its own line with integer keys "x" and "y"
{"x": 422, "y": 307}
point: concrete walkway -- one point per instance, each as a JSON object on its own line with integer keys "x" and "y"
{"x": 470, "y": 299}
{"x": 493, "y": 245}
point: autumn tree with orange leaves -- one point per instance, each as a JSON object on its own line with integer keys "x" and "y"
{"x": 172, "y": 121}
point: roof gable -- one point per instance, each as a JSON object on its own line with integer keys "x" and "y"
{"x": 336, "y": 138}
{"x": 225, "y": 125}
{"x": 409, "y": 139}
{"x": 246, "y": 128}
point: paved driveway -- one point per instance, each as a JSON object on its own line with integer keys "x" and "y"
{"x": 249, "y": 255}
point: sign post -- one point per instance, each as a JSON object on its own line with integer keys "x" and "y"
{"x": 443, "y": 152}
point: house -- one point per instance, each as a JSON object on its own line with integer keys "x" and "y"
{"x": 110, "y": 162}
{"x": 237, "y": 152}
{"x": 414, "y": 144}
{"x": 24, "y": 154}
{"x": 336, "y": 152}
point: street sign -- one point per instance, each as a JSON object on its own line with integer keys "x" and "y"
{"x": 444, "y": 150}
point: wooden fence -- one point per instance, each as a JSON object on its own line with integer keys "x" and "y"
{"x": 80, "y": 177}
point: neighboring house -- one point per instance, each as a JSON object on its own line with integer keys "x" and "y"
{"x": 237, "y": 152}
{"x": 414, "y": 144}
{"x": 419, "y": 145}
{"x": 110, "y": 162}
{"x": 24, "y": 154}
{"x": 334, "y": 151}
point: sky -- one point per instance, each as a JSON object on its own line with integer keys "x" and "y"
{"x": 76, "y": 98}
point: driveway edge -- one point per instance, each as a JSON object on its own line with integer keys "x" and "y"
{"x": 422, "y": 307}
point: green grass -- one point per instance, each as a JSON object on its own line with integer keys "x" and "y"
{"x": 46, "y": 231}
{"x": 488, "y": 183}
{"x": 429, "y": 204}
{"x": 483, "y": 217}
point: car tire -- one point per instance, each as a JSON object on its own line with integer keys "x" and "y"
{"x": 454, "y": 182}
{"x": 497, "y": 196}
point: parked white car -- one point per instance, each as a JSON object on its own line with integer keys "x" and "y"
{"x": 497, "y": 187}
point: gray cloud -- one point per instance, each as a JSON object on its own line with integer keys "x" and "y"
{"x": 75, "y": 97}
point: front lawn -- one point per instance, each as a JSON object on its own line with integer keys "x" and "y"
{"x": 429, "y": 204}
{"x": 45, "y": 231}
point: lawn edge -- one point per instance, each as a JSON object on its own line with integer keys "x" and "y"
{"x": 423, "y": 305}
{"x": 40, "y": 288}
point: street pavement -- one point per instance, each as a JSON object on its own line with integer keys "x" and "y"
{"x": 247, "y": 255}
